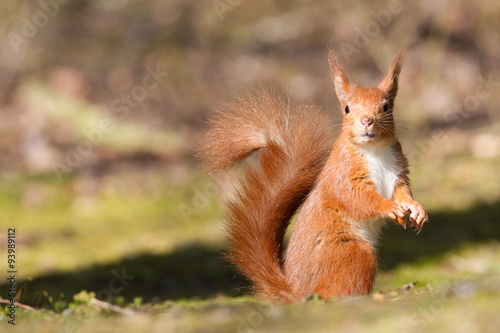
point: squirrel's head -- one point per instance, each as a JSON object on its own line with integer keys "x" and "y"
{"x": 368, "y": 112}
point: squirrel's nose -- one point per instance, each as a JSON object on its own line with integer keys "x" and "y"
{"x": 366, "y": 121}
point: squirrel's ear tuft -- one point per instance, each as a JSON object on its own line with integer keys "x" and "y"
{"x": 342, "y": 85}
{"x": 390, "y": 83}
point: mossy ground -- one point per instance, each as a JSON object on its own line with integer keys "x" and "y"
{"x": 155, "y": 246}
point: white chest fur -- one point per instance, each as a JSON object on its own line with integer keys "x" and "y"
{"x": 383, "y": 168}
{"x": 383, "y": 171}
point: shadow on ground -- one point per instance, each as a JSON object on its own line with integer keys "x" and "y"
{"x": 192, "y": 271}
{"x": 445, "y": 231}
{"x": 196, "y": 271}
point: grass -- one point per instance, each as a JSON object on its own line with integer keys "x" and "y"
{"x": 421, "y": 309}
{"x": 152, "y": 244}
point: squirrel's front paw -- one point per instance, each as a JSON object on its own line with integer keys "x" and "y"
{"x": 395, "y": 212}
{"x": 417, "y": 214}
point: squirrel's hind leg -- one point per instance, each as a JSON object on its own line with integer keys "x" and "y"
{"x": 352, "y": 265}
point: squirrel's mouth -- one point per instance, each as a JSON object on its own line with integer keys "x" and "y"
{"x": 367, "y": 136}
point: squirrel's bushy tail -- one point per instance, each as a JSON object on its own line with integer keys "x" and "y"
{"x": 294, "y": 144}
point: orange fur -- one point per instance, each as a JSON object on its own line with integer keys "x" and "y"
{"x": 346, "y": 191}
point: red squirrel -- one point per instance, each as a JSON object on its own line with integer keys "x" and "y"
{"x": 345, "y": 193}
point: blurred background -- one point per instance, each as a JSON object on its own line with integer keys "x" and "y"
{"x": 102, "y": 103}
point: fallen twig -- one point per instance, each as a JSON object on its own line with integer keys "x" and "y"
{"x": 408, "y": 286}
{"x": 112, "y": 307}
{"x": 20, "y": 305}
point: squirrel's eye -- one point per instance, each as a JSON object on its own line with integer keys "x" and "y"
{"x": 346, "y": 109}
{"x": 386, "y": 106}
